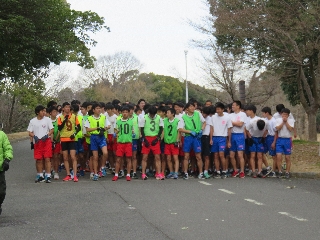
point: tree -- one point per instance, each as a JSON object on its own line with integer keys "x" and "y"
{"x": 35, "y": 33}
{"x": 283, "y": 35}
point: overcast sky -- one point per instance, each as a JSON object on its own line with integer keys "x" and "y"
{"x": 155, "y": 31}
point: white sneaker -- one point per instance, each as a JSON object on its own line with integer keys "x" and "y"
{"x": 91, "y": 175}
{"x": 56, "y": 176}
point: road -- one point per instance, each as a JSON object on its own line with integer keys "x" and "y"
{"x": 172, "y": 209}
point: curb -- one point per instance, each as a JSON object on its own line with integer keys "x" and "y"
{"x": 311, "y": 175}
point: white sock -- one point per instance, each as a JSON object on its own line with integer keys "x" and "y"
{"x": 205, "y": 171}
{"x": 116, "y": 174}
{"x": 128, "y": 175}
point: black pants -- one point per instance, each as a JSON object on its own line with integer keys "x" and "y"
{"x": 3, "y": 187}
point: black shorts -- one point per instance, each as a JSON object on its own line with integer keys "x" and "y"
{"x": 67, "y": 146}
{"x": 205, "y": 145}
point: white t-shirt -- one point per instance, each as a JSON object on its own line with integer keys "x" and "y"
{"x": 106, "y": 122}
{"x": 238, "y": 117}
{"x": 272, "y": 126}
{"x": 142, "y": 121}
{"x": 253, "y": 128}
{"x": 181, "y": 123}
{"x": 206, "y": 130}
{"x": 278, "y": 115}
{"x": 221, "y": 124}
{"x": 113, "y": 121}
{"x": 284, "y": 132}
{"x": 40, "y": 128}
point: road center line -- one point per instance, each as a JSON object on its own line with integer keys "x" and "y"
{"x": 291, "y": 216}
{"x": 226, "y": 191}
{"x": 205, "y": 183}
{"x": 254, "y": 201}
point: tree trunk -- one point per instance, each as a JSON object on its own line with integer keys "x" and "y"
{"x": 312, "y": 125}
{"x": 11, "y": 113}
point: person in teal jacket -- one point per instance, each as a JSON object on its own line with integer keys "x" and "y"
{"x": 5, "y": 157}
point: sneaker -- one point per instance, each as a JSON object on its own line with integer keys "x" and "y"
{"x": 144, "y": 177}
{"x": 71, "y": 173}
{"x": 104, "y": 172}
{"x": 287, "y": 175}
{"x": 67, "y": 178}
{"x": 186, "y": 176}
{"x": 268, "y": 171}
{"x": 115, "y": 178}
{"x": 150, "y": 174}
{"x": 272, "y": 174}
{"x": 47, "y": 179}
{"x": 175, "y": 176}
{"x": 249, "y": 174}
{"x": 56, "y": 176}
{"x": 170, "y": 175}
{"x": 235, "y": 173}
{"x": 113, "y": 170}
{"x": 260, "y": 175}
{"x": 223, "y": 175}
{"x": 100, "y": 174}
{"x": 75, "y": 179}
{"x": 217, "y": 175}
{"x": 200, "y": 176}
{"x": 121, "y": 174}
{"x": 241, "y": 175}
{"x": 91, "y": 175}
{"x": 254, "y": 174}
{"x": 95, "y": 177}
{"x": 81, "y": 173}
{"x": 134, "y": 176}
{"x": 108, "y": 166}
{"x": 128, "y": 178}
{"x": 206, "y": 175}
{"x": 279, "y": 175}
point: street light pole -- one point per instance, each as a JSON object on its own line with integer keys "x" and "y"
{"x": 187, "y": 91}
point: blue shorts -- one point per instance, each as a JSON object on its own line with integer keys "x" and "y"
{"x": 283, "y": 146}
{"x": 268, "y": 143}
{"x": 257, "y": 146}
{"x": 79, "y": 146}
{"x": 193, "y": 143}
{"x": 97, "y": 142}
{"x": 219, "y": 144}
{"x": 134, "y": 145}
{"x": 162, "y": 147}
{"x": 237, "y": 142}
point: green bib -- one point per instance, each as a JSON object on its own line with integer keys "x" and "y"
{"x": 192, "y": 123}
{"x": 170, "y": 130}
{"x": 125, "y": 130}
{"x": 94, "y": 123}
{"x": 136, "y": 128}
{"x": 152, "y": 126}
{"x": 55, "y": 131}
{"x": 79, "y": 134}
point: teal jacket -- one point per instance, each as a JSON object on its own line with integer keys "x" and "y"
{"x": 5, "y": 149}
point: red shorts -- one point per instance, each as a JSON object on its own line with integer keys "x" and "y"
{"x": 111, "y": 143}
{"x": 155, "y": 149}
{"x": 170, "y": 149}
{"x": 57, "y": 148}
{"x": 43, "y": 149}
{"x": 181, "y": 153}
{"x": 124, "y": 149}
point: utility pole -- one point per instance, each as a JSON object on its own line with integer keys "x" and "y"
{"x": 187, "y": 91}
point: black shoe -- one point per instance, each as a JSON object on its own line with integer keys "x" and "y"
{"x": 260, "y": 175}
{"x": 48, "y": 179}
{"x": 134, "y": 176}
{"x": 39, "y": 179}
{"x": 223, "y": 175}
{"x": 216, "y": 175}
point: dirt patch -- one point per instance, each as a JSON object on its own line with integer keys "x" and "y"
{"x": 16, "y": 137}
{"x": 305, "y": 157}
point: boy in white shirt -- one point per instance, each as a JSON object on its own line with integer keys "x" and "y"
{"x": 284, "y": 126}
{"x": 205, "y": 140}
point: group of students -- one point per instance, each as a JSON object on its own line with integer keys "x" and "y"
{"x": 164, "y": 140}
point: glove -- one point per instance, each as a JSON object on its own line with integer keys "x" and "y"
{"x": 176, "y": 144}
{"x": 133, "y": 135}
{"x": 36, "y": 139}
{"x": 146, "y": 143}
{"x": 32, "y": 145}
{"x": 45, "y": 137}
{"x": 193, "y": 134}
{"x": 154, "y": 142}
{"x": 199, "y": 134}
{"x": 262, "y": 140}
{"x": 250, "y": 142}
{"x": 101, "y": 131}
{"x": 5, "y": 165}
{"x": 73, "y": 136}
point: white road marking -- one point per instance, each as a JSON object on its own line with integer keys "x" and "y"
{"x": 226, "y": 191}
{"x": 291, "y": 216}
{"x": 131, "y": 208}
{"x": 205, "y": 183}
{"x": 254, "y": 201}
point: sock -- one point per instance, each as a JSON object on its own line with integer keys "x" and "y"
{"x": 134, "y": 172}
{"x": 116, "y": 174}
{"x": 218, "y": 172}
{"x": 128, "y": 175}
{"x": 48, "y": 174}
{"x": 41, "y": 174}
{"x": 201, "y": 173}
{"x": 205, "y": 171}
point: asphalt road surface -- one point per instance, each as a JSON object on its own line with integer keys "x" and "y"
{"x": 172, "y": 209}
